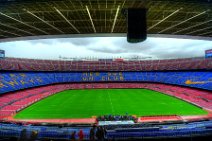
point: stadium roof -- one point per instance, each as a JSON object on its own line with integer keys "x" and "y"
{"x": 66, "y": 18}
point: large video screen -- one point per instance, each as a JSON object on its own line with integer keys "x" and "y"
{"x": 208, "y": 53}
{"x": 2, "y": 53}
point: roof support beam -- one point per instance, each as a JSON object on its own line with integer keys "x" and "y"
{"x": 17, "y": 29}
{"x": 209, "y": 32}
{"x": 183, "y": 22}
{"x": 184, "y": 29}
{"x": 44, "y": 21}
{"x": 123, "y": 3}
{"x": 114, "y": 22}
{"x": 91, "y": 19}
{"x": 10, "y": 33}
{"x": 3, "y": 36}
{"x": 200, "y": 30}
{"x": 58, "y": 11}
{"x": 23, "y": 23}
{"x": 105, "y": 20}
{"x": 164, "y": 19}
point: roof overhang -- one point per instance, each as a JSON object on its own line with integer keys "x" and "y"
{"x": 101, "y": 35}
{"x": 40, "y": 19}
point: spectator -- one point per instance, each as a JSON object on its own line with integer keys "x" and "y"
{"x": 81, "y": 135}
{"x": 73, "y": 134}
{"x": 98, "y": 134}
{"x": 92, "y": 134}
{"x": 33, "y": 136}
{"x": 23, "y": 136}
{"x": 102, "y": 133}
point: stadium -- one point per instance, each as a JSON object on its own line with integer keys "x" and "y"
{"x": 105, "y": 98}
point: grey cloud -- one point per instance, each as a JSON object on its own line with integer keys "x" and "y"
{"x": 108, "y": 51}
{"x": 110, "y": 46}
{"x": 122, "y": 46}
{"x": 42, "y": 41}
{"x": 81, "y": 42}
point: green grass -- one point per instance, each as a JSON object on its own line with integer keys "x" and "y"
{"x": 94, "y": 102}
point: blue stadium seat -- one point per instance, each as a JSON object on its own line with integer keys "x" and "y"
{"x": 12, "y": 81}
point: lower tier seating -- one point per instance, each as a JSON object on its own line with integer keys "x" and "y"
{"x": 15, "y": 101}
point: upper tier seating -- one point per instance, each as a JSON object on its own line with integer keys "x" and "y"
{"x": 140, "y": 65}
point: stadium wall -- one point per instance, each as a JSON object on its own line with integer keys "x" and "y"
{"x": 11, "y": 81}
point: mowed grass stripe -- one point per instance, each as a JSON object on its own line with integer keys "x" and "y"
{"x": 95, "y": 102}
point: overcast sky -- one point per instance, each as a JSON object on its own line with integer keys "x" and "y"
{"x": 106, "y": 47}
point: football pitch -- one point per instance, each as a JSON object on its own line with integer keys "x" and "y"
{"x": 96, "y": 102}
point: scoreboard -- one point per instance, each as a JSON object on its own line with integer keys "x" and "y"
{"x": 2, "y": 54}
{"x": 208, "y": 53}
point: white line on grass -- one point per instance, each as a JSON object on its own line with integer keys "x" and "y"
{"x": 110, "y": 102}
